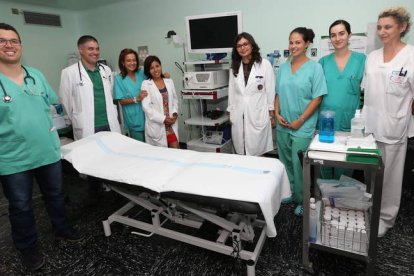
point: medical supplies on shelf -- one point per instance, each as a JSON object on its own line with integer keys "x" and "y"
{"x": 344, "y": 193}
{"x": 345, "y": 229}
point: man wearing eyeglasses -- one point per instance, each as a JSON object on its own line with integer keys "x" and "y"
{"x": 86, "y": 92}
{"x": 29, "y": 148}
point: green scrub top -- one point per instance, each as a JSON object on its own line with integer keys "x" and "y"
{"x": 100, "y": 115}
{"x": 28, "y": 139}
{"x": 344, "y": 88}
{"x": 296, "y": 91}
{"x": 125, "y": 88}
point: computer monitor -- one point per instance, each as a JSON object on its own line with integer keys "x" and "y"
{"x": 212, "y": 33}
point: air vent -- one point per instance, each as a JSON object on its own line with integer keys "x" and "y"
{"x": 42, "y": 19}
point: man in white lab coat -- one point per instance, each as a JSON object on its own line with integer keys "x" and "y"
{"x": 86, "y": 92}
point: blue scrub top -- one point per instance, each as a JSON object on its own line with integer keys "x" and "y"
{"x": 344, "y": 88}
{"x": 125, "y": 88}
{"x": 28, "y": 139}
{"x": 296, "y": 91}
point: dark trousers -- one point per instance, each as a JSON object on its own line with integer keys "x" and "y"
{"x": 18, "y": 188}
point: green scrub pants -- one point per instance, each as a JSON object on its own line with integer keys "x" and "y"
{"x": 335, "y": 173}
{"x": 288, "y": 147}
{"x": 137, "y": 135}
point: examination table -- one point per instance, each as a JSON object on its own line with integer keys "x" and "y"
{"x": 239, "y": 194}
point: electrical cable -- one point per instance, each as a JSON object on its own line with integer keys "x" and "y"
{"x": 179, "y": 67}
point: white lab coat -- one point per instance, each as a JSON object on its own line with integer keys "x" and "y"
{"x": 78, "y": 99}
{"x": 249, "y": 107}
{"x": 155, "y": 133}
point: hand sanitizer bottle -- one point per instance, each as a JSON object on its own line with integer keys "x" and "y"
{"x": 357, "y": 125}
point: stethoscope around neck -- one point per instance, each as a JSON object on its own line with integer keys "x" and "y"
{"x": 80, "y": 74}
{"x": 6, "y": 97}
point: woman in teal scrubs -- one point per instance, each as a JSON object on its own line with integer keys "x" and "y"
{"x": 127, "y": 90}
{"x": 343, "y": 72}
{"x": 300, "y": 86}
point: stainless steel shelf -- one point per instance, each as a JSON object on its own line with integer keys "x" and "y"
{"x": 199, "y": 145}
{"x": 213, "y": 94}
{"x": 204, "y": 121}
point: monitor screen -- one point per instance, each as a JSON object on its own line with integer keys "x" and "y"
{"x": 212, "y": 33}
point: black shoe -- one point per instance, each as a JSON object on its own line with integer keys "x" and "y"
{"x": 32, "y": 258}
{"x": 69, "y": 234}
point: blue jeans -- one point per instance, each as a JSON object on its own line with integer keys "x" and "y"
{"x": 18, "y": 189}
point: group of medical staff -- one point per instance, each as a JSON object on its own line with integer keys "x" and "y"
{"x": 305, "y": 87}
{"x": 256, "y": 104}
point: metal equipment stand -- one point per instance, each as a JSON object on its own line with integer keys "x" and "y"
{"x": 373, "y": 179}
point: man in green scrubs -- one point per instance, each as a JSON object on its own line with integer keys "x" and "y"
{"x": 29, "y": 148}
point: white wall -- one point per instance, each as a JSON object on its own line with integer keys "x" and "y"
{"x": 44, "y": 47}
{"x": 146, "y": 22}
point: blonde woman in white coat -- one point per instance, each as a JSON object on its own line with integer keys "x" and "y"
{"x": 160, "y": 106}
{"x": 389, "y": 93}
{"x": 251, "y": 98}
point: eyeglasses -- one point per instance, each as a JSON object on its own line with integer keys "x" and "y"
{"x": 13, "y": 42}
{"x": 242, "y": 45}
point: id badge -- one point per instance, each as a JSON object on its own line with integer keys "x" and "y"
{"x": 259, "y": 83}
{"x": 396, "y": 78}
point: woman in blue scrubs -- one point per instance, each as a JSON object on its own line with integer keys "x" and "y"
{"x": 127, "y": 90}
{"x": 343, "y": 71}
{"x": 300, "y": 86}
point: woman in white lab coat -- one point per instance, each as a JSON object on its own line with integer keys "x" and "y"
{"x": 251, "y": 98}
{"x": 160, "y": 106}
{"x": 389, "y": 93}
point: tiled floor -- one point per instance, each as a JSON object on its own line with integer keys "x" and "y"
{"x": 126, "y": 254}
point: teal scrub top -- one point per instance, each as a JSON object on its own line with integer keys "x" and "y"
{"x": 344, "y": 88}
{"x": 296, "y": 91}
{"x": 28, "y": 139}
{"x": 125, "y": 88}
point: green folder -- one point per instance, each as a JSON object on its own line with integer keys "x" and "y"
{"x": 367, "y": 156}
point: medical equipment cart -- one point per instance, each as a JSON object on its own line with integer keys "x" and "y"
{"x": 373, "y": 179}
{"x": 209, "y": 98}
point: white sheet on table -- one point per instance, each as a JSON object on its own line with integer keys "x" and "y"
{"x": 116, "y": 157}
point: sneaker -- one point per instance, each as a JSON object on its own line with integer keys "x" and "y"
{"x": 69, "y": 234}
{"x": 32, "y": 258}
{"x": 299, "y": 210}
{"x": 287, "y": 200}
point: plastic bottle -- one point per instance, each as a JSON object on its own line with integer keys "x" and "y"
{"x": 313, "y": 220}
{"x": 327, "y": 126}
{"x": 326, "y": 228}
{"x": 357, "y": 125}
